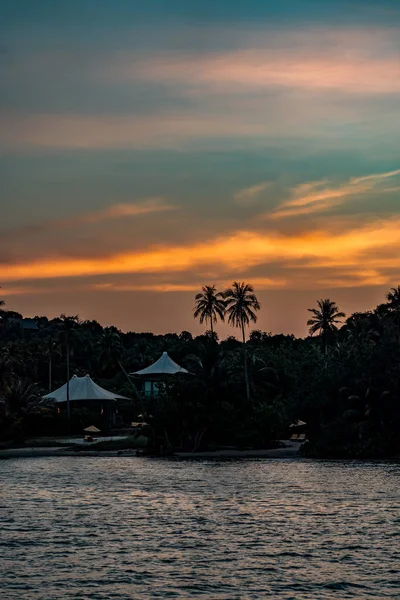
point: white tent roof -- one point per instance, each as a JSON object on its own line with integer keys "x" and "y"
{"x": 164, "y": 365}
{"x": 298, "y": 423}
{"x": 82, "y": 388}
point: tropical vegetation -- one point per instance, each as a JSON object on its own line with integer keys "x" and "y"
{"x": 343, "y": 379}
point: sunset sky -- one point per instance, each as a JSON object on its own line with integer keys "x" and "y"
{"x": 148, "y": 148}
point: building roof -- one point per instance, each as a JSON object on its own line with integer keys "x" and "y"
{"x": 164, "y": 365}
{"x": 81, "y": 389}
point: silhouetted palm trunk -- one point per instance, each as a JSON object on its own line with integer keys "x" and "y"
{"x": 50, "y": 371}
{"x": 246, "y": 374}
{"x": 138, "y": 396}
{"x": 325, "y": 341}
{"x": 68, "y": 404}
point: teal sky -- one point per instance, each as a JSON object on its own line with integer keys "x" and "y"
{"x": 149, "y": 148}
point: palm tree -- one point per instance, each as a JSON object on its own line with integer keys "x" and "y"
{"x": 393, "y": 298}
{"x": 209, "y": 305}
{"x": 111, "y": 350}
{"x": 359, "y": 328}
{"x": 110, "y": 347}
{"x": 51, "y": 349}
{"x": 241, "y": 304}
{"x": 68, "y": 324}
{"x": 2, "y": 311}
{"x": 325, "y": 319}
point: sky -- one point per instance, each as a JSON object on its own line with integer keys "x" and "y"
{"x": 150, "y": 148}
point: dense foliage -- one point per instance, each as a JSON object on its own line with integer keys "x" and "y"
{"x": 344, "y": 383}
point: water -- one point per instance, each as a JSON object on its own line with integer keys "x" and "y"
{"x": 122, "y": 528}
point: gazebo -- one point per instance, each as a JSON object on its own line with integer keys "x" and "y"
{"x": 155, "y": 374}
{"x": 86, "y": 392}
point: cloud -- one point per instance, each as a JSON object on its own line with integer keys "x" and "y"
{"x": 352, "y": 61}
{"x": 252, "y": 70}
{"x": 235, "y": 255}
{"x": 247, "y": 195}
{"x": 326, "y": 84}
{"x": 250, "y": 121}
{"x": 118, "y": 211}
{"x": 15, "y": 291}
{"x": 193, "y": 286}
{"x": 163, "y": 130}
{"x": 319, "y": 196}
{"x": 112, "y": 212}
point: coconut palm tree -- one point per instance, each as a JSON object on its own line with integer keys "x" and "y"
{"x": 68, "y": 324}
{"x": 111, "y": 350}
{"x": 51, "y": 348}
{"x": 110, "y": 347}
{"x": 209, "y": 306}
{"x": 241, "y": 306}
{"x": 359, "y": 329}
{"x": 325, "y": 320}
{"x": 2, "y": 312}
{"x": 393, "y": 298}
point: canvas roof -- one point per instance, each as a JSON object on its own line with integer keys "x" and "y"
{"x": 298, "y": 423}
{"x": 80, "y": 389}
{"x": 164, "y": 365}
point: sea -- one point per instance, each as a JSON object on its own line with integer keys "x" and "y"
{"x": 119, "y": 528}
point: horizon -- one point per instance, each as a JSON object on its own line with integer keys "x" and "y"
{"x": 222, "y": 329}
{"x": 148, "y": 151}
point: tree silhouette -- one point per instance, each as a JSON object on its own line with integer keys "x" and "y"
{"x": 209, "y": 306}
{"x": 325, "y": 319}
{"x": 2, "y": 312}
{"x": 393, "y": 298}
{"x": 241, "y": 304}
{"x": 68, "y": 324}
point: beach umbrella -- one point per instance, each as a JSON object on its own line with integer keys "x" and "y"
{"x": 92, "y": 429}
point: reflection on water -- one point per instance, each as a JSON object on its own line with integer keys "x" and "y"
{"x": 120, "y": 528}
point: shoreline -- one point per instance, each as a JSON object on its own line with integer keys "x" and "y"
{"x": 290, "y": 451}
{"x": 276, "y": 453}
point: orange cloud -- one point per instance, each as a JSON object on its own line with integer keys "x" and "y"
{"x": 236, "y": 253}
{"x": 15, "y": 291}
{"x": 261, "y": 282}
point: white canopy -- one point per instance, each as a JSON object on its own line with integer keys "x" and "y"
{"x": 82, "y": 388}
{"x": 164, "y": 365}
{"x": 298, "y": 423}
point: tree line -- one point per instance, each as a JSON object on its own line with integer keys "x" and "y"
{"x": 343, "y": 379}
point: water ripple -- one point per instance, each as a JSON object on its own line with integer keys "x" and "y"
{"x": 108, "y": 528}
